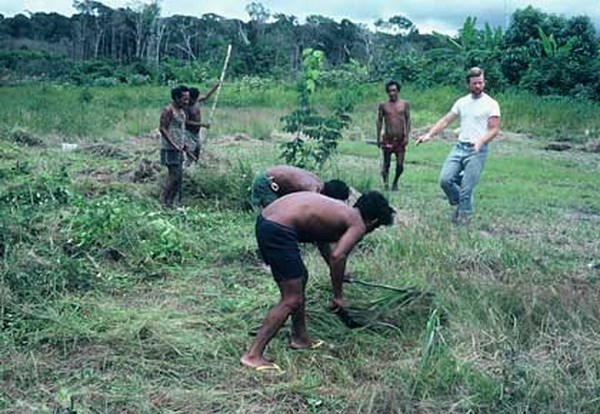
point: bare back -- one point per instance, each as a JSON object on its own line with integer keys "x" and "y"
{"x": 293, "y": 179}
{"x": 396, "y": 117}
{"x": 316, "y": 218}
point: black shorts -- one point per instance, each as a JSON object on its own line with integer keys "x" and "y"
{"x": 279, "y": 249}
{"x": 171, "y": 157}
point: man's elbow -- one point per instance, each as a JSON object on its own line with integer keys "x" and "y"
{"x": 336, "y": 258}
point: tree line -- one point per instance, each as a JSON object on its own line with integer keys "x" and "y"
{"x": 541, "y": 52}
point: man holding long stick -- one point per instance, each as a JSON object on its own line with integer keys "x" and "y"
{"x": 194, "y": 121}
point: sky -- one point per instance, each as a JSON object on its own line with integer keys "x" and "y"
{"x": 444, "y": 16}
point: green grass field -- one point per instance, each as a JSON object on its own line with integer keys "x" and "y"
{"x": 110, "y": 304}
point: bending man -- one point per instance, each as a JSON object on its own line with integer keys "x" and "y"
{"x": 279, "y": 180}
{"x": 308, "y": 218}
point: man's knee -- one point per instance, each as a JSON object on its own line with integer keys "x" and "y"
{"x": 399, "y": 167}
{"x": 446, "y": 181}
{"x": 385, "y": 166}
{"x": 293, "y": 302}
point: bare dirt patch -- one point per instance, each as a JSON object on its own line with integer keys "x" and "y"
{"x": 237, "y": 137}
{"x": 593, "y": 145}
{"x": 146, "y": 171}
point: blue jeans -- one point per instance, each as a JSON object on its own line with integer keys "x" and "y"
{"x": 459, "y": 189}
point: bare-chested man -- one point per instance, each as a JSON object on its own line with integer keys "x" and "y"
{"x": 194, "y": 120}
{"x": 279, "y": 180}
{"x": 395, "y": 114}
{"x": 307, "y": 217}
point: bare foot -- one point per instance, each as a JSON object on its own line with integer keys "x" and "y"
{"x": 305, "y": 344}
{"x": 258, "y": 363}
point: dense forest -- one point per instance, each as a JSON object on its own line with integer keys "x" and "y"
{"x": 545, "y": 53}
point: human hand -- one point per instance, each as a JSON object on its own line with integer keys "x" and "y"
{"x": 423, "y": 138}
{"x": 477, "y": 146}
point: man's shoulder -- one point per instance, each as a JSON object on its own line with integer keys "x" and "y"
{"x": 460, "y": 104}
{"x": 167, "y": 109}
{"x": 464, "y": 99}
{"x": 489, "y": 99}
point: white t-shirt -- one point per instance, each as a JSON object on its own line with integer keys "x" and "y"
{"x": 474, "y": 115}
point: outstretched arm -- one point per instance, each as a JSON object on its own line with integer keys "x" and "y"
{"x": 438, "y": 127}
{"x": 210, "y": 92}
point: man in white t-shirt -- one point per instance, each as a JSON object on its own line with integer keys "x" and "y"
{"x": 479, "y": 124}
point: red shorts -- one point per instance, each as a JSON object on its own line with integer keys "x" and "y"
{"x": 393, "y": 145}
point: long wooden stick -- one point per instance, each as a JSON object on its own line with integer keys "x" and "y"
{"x": 410, "y": 291}
{"x": 214, "y": 107}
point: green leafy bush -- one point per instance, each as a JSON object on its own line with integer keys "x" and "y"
{"x": 316, "y": 135}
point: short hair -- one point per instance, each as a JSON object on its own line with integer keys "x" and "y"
{"x": 373, "y": 205}
{"x": 391, "y": 83}
{"x": 177, "y": 92}
{"x": 336, "y": 189}
{"x": 194, "y": 93}
{"x": 474, "y": 72}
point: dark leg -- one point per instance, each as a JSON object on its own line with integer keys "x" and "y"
{"x": 292, "y": 299}
{"x": 170, "y": 186}
{"x": 179, "y": 184}
{"x": 385, "y": 167}
{"x": 399, "y": 169}
{"x": 300, "y": 338}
